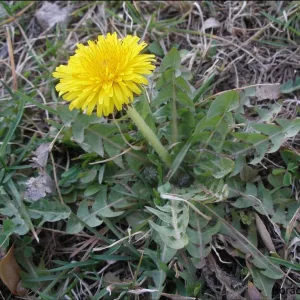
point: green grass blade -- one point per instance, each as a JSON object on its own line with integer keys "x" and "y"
{"x": 21, "y": 207}
{"x": 179, "y": 158}
{"x": 85, "y": 263}
{"x": 38, "y": 104}
{"x": 100, "y": 295}
{"x": 278, "y": 261}
{"x": 204, "y": 87}
{"x": 13, "y": 128}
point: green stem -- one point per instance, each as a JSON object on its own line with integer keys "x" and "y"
{"x": 174, "y": 113}
{"x": 149, "y": 135}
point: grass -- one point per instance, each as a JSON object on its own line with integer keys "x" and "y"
{"x": 104, "y": 217}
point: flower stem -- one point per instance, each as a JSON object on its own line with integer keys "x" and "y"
{"x": 149, "y": 135}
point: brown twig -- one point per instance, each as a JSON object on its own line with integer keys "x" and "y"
{"x": 12, "y": 59}
{"x": 19, "y": 14}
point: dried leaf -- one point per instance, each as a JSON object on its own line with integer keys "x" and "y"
{"x": 264, "y": 234}
{"x": 39, "y": 187}
{"x": 9, "y": 273}
{"x": 271, "y": 92}
{"x": 21, "y": 291}
{"x": 50, "y": 14}
{"x": 210, "y": 23}
{"x": 292, "y": 224}
{"x": 234, "y": 287}
{"x": 41, "y": 155}
{"x": 110, "y": 278}
{"x": 239, "y": 241}
{"x": 252, "y": 292}
{"x": 233, "y": 295}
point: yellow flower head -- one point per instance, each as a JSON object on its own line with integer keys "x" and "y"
{"x": 105, "y": 74}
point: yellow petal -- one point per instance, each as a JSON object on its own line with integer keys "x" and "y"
{"x": 105, "y": 73}
{"x": 133, "y": 87}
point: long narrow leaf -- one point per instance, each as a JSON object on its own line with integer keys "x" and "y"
{"x": 21, "y": 207}
{"x": 13, "y": 128}
{"x": 38, "y": 104}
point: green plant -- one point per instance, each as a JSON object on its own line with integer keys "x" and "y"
{"x": 219, "y": 189}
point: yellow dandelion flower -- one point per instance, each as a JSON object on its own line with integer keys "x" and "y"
{"x": 104, "y": 74}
